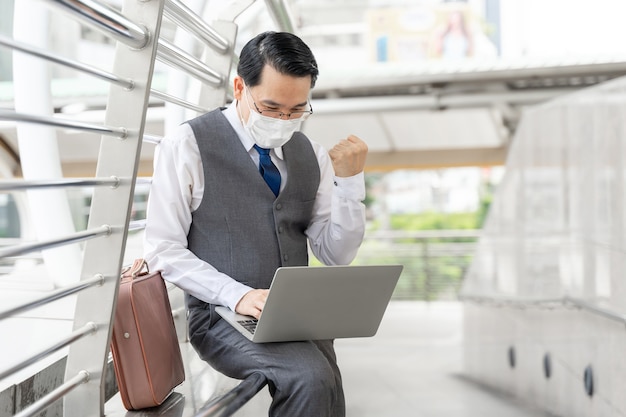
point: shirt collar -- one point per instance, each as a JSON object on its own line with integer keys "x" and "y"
{"x": 232, "y": 115}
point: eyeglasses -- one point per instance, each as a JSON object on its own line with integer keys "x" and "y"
{"x": 277, "y": 114}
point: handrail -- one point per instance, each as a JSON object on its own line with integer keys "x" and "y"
{"x": 185, "y": 17}
{"x": 152, "y": 139}
{"x": 14, "y": 185}
{"x": 66, "y": 341}
{"x": 47, "y": 244}
{"x": 175, "y": 100}
{"x": 108, "y": 21}
{"x": 136, "y": 225}
{"x": 80, "y": 378}
{"x": 424, "y": 234}
{"x": 13, "y": 116}
{"x": 538, "y": 301}
{"x": 70, "y": 63}
{"x": 113, "y": 182}
{"x": 53, "y": 296}
{"x": 177, "y": 58}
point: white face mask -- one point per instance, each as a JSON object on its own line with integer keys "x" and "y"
{"x": 270, "y": 132}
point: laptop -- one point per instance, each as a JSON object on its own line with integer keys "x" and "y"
{"x": 320, "y": 302}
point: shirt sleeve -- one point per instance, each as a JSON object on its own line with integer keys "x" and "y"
{"x": 176, "y": 191}
{"x": 338, "y": 224}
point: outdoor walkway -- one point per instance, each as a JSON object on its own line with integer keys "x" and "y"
{"x": 412, "y": 367}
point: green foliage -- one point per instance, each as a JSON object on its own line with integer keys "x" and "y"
{"x": 423, "y": 278}
{"x": 432, "y": 270}
{"x": 435, "y": 221}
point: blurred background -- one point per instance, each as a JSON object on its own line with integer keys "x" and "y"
{"x": 436, "y": 88}
{"x": 496, "y": 170}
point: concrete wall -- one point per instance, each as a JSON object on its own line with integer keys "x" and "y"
{"x": 556, "y": 231}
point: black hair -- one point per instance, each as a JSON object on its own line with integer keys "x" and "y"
{"x": 283, "y": 51}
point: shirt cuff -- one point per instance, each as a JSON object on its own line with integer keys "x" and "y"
{"x": 350, "y": 188}
{"x": 234, "y": 293}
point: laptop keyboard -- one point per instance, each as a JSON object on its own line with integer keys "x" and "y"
{"x": 249, "y": 325}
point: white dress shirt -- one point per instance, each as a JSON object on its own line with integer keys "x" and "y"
{"x": 334, "y": 234}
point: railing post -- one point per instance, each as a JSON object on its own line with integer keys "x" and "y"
{"x": 427, "y": 270}
{"x": 111, "y": 206}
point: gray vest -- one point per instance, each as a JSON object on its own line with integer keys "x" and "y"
{"x": 240, "y": 227}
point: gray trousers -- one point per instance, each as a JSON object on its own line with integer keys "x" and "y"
{"x": 303, "y": 377}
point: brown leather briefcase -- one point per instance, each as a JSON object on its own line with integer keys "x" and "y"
{"x": 146, "y": 355}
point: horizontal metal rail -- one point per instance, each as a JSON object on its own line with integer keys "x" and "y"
{"x": 152, "y": 139}
{"x": 424, "y": 234}
{"x": 175, "y": 100}
{"x": 77, "y": 334}
{"x": 522, "y": 302}
{"x": 70, "y": 63}
{"x": 188, "y": 19}
{"x": 52, "y": 296}
{"x": 177, "y": 58}
{"x": 136, "y": 225}
{"x": 15, "y": 185}
{"x": 13, "y": 116}
{"x": 47, "y": 244}
{"x": 229, "y": 403}
{"x": 143, "y": 180}
{"x": 56, "y": 394}
{"x": 107, "y": 20}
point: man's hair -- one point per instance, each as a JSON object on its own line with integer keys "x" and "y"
{"x": 283, "y": 51}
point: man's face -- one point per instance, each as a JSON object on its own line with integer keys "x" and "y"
{"x": 278, "y": 92}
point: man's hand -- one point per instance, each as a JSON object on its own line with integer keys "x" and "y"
{"x": 252, "y": 303}
{"x": 348, "y": 156}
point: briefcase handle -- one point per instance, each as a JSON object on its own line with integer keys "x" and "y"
{"x": 139, "y": 267}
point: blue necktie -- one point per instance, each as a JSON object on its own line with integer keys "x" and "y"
{"x": 268, "y": 170}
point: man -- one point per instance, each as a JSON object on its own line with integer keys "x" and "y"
{"x": 218, "y": 230}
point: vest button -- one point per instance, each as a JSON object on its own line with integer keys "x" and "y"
{"x": 285, "y": 257}
{"x": 279, "y": 206}
{"x": 281, "y": 229}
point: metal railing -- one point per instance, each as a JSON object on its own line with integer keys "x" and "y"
{"x": 136, "y": 31}
{"x": 435, "y": 261}
{"x": 104, "y": 238}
